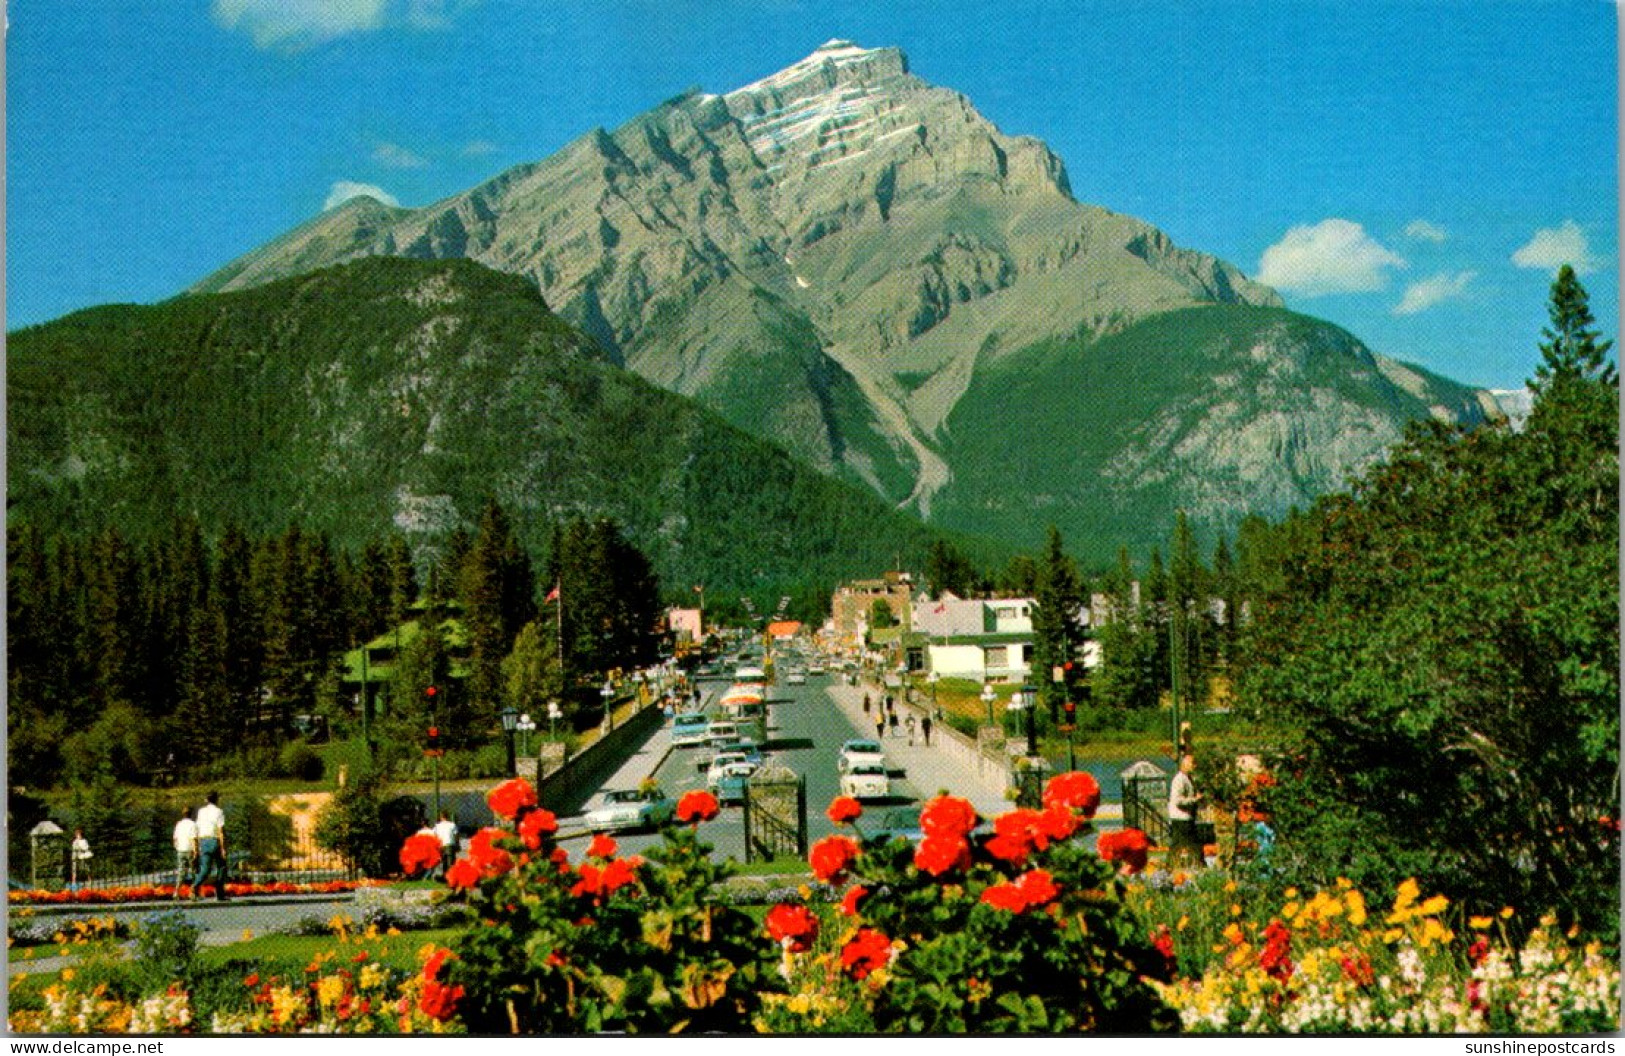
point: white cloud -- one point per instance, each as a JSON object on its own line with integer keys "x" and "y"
{"x": 1423, "y": 231}
{"x": 1552, "y": 247}
{"x": 343, "y": 190}
{"x": 298, "y": 23}
{"x": 398, "y": 157}
{"x": 1333, "y": 256}
{"x": 479, "y": 148}
{"x": 1420, "y": 296}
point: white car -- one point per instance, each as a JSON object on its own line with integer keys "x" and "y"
{"x": 859, "y": 751}
{"x": 728, "y": 764}
{"x": 795, "y": 678}
{"x": 866, "y": 781}
{"x": 631, "y": 808}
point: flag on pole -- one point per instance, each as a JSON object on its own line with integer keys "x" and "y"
{"x": 552, "y": 595}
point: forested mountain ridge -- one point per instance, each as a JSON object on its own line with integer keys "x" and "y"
{"x": 399, "y": 395}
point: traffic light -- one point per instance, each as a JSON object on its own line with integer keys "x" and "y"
{"x": 1071, "y": 714}
{"x": 431, "y": 744}
{"x": 430, "y": 692}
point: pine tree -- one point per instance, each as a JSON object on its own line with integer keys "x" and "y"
{"x": 1057, "y": 630}
{"x": 1571, "y": 350}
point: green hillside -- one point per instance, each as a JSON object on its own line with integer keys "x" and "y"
{"x": 1221, "y": 410}
{"x": 393, "y": 392}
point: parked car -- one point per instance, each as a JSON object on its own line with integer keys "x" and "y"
{"x": 631, "y": 808}
{"x": 718, "y": 733}
{"x": 795, "y": 678}
{"x": 728, "y": 764}
{"x": 730, "y": 788}
{"x": 866, "y": 781}
{"x": 859, "y": 751}
{"x": 689, "y": 729}
{"x": 815, "y": 669}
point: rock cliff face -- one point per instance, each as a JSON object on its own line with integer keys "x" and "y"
{"x": 830, "y": 257}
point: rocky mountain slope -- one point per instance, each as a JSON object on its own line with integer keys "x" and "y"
{"x": 397, "y": 394}
{"x": 836, "y": 257}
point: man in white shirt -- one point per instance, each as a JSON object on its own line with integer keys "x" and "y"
{"x": 185, "y": 840}
{"x": 1182, "y": 806}
{"x": 211, "y": 841}
{"x": 446, "y": 832}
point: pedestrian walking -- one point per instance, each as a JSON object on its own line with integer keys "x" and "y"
{"x": 908, "y": 724}
{"x": 925, "y": 730}
{"x": 81, "y": 855}
{"x": 892, "y": 721}
{"x": 185, "y": 841}
{"x": 211, "y": 848}
{"x": 880, "y": 726}
{"x": 866, "y": 703}
{"x": 445, "y": 831}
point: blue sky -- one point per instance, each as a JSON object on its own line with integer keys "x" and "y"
{"x": 1412, "y": 170}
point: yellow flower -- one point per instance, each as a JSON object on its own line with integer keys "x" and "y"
{"x": 1409, "y": 892}
{"x": 1232, "y": 931}
{"x": 248, "y": 933}
{"x": 1393, "y": 935}
{"x": 1344, "y": 883}
{"x": 1290, "y": 892}
{"x": 1480, "y": 923}
{"x": 1434, "y": 906}
{"x": 1506, "y": 912}
{"x": 67, "y": 975}
{"x": 329, "y": 989}
{"x": 1235, "y": 909}
{"x": 1289, "y": 910}
{"x": 1183, "y": 921}
{"x": 1231, "y": 886}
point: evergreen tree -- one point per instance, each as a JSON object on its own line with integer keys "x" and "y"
{"x": 1572, "y": 349}
{"x": 1057, "y": 629}
{"x": 1187, "y": 615}
{"x": 498, "y": 597}
{"x": 241, "y": 630}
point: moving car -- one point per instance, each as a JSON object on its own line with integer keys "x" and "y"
{"x": 631, "y": 808}
{"x": 728, "y": 764}
{"x": 795, "y": 678}
{"x": 689, "y": 729}
{"x": 866, "y": 781}
{"x": 859, "y": 751}
{"x": 730, "y": 788}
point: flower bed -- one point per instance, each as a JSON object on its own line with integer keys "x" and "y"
{"x": 102, "y": 896}
{"x": 1035, "y": 927}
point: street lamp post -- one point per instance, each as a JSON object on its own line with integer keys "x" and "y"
{"x": 553, "y": 717}
{"x": 608, "y": 693}
{"x": 1028, "y": 777}
{"x": 1029, "y": 697}
{"x": 932, "y": 679}
{"x": 526, "y": 725}
{"x": 988, "y": 696}
{"x": 510, "y": 722}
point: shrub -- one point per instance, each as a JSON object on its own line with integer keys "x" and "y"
{"x": 300, "y": 760}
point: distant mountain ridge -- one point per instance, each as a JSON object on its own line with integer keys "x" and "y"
{"x": 836, "y": 256}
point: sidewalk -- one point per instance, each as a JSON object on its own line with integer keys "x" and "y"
{"x": 929, "y": 770}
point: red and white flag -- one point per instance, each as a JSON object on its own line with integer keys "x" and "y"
{"x": 552, "y": 595}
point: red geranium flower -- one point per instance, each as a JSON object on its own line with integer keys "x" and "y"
{"x": 536, "y": 824}
{"x": 1163, "y": 940}
{"x": 948, "y": 816}
{"x": 697, "y": 806}
{"x": 1130, "y": 847}
{"x": 1057, "y": 822}
{"x": 940, "y": 854}
{"x": 462, "y": 874}
{"x": 854, "y": 894}
{"x": 792, "y": 926}
{"x": 831, "y": 856}
{"x": 1277, "y": 944}
{"x": 420, "y": 852}
{"x": 506, "y": 799}
{"x": 602, "y": 847}
{"x": 1037, "y": 886}
{"x": 844, "y": 809}
{"x": 868, "y": 950}
{"x": 1011, "y": 849}
{"x": 600, "y": 883}
{"x": 1005, "y": 896}
{"x": 1075, "y": 790}
{"x": 490, "y": 859}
